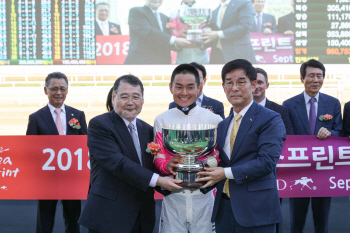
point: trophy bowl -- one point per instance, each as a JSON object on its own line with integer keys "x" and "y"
{"x": 190, "y": 141}
{"x": 195, "y": 17}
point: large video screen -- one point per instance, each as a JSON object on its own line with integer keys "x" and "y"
{"x": 117, "y": 32}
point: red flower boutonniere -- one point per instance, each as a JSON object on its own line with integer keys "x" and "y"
{"x": 114, "y": 30}
{"x": 267, "y": 24}
{"x": 74, "y": 123}
{"x": 171, "y": 26}
{"x": 153, "y": 148}
{"x": 326, "y": 117}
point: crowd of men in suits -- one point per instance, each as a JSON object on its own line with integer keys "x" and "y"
{"x": 152, "y": 39}
{"x": 124, "y": 175}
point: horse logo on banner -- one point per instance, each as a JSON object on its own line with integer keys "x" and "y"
{"x": 303, "y": 181}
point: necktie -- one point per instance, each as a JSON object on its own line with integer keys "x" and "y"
{"x": 232, "y": 142}
{"x": 105, "y": 28}
{"x": 222, "y": 14}
{"x": 136, "y": 141}
{"x": 157, "y": 15}
{"x": 312, "y": 115}
{"x": 58, "y": 121}
{"x": 259, "y": 23}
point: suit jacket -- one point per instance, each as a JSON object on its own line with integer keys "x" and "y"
{"x": 236, "y": 24}
{"x": 148, "y": 44}
{"x": 283, "y": 111}
{"x": 326, "y": 105}
{"x": 120, "y": 190}
{"x": 346, "y": 119}
{"x": 98, "y": 30}
{"x": 286, "y": 23}
{"x": 216, "y": 106}
{"x": 266, "y": 18}
{"x": 41, "y": 122}
{"x": 254, "y": 196}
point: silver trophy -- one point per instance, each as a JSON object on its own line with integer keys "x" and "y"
{"x": 190, "y": 141}
{"x": 195, "y": 17}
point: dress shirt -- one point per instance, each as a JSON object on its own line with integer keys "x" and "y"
{"x": 155, "y": 176}
{"x": 256, "y": 20}
{"x": 227, "y": 147}
{"x": 62, "y": 115}
{"x": 172, "y": 38}
{"x": 199, "y": 100}
{"x": 218, "y": 23}
{"x": 308, "y": 105}
{"x": 101, "y": 23}
{"x": 263, "y": 103}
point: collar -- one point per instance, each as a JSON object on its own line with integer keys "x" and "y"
{"x": 189, "y": 4}
{"x": 307, "y": 97}
{"x": 263, "y": 102}
{"x": 226, "y": 2}
{"x": 153, "y": 11}
{"x": 101, "y": 22}
{"x": 261, "y": 14}
{"x": 52, "y": 108}
{"x": 128, "y": 122}
{"x": 244, "y": 110}
{"x": 186, "y": 110}
{"x": 201, "y": 97}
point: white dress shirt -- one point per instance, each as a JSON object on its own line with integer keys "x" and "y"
{"x": 218, "y": 23}
{"x": 199, "y": 100}
{"x": 62, "y": 115}
{"x": 104, "y": 25}
{"x": 155, "y": 176}
{"x": 308, "y": 105}
{"x": 263, "y": 103}
{"x": 256, "y": 20}
{"x": 227, "y": 146}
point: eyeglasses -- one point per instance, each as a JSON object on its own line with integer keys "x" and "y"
{"x": 55, "y": 89}
{"x": 135, "y": 99}
{"x": 239, "y": 84}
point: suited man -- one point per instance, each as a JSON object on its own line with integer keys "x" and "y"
{"x": 150, "y": 38}
{"x": 102, "y": 25}
{"x": 304, "y": 112}
{"x": 203, "y": 101}
{"x": 250, "y": 142}
{"x": 259, "y": 96}
{"x": 286, "y": 22}
{"x": 230, "y": 38}
{"x": 53, "y": 120}
{"x": 122, "y": 181}
{"x": 346, "y": 119}
{"x": 263, "y": 22}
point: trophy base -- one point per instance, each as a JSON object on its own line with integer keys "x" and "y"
{"x": 188, "y": 177}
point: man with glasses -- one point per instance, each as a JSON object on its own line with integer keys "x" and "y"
{"x": 53, "y": 120}
{"x": 250, "y": 142}
{"x": 122, "y": 179}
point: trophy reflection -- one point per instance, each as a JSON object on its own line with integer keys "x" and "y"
{"x": 191, "y": 141}
{"x": 195, "y": 17}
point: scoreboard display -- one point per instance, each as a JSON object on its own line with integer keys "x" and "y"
{"x": 62, "y": 32}
{"x": 322, "y": 31}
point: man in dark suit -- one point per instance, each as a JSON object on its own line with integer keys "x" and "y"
{"x": 259, "y": 96}
{"x": 203, "y": 101}
{"x": 286, "y": 22}
{"x": 122, "y": 181}
{"x": 102, "y": 25}
{"x": 53, "y": 120}
{"x": 305, "y": 111}
{"x": 263, "y": 22}
{"x": 150, "y": 38}
{"x": 230, "y": 38}
{"x": 346, "y": 119}
{"x": 250, "y": 143}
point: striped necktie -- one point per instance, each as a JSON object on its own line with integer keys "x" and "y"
{"x": 312, "y": 115}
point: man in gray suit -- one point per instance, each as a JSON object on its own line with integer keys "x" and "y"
{"x": 229, "y": 38}
{"x": 263, "y": 22}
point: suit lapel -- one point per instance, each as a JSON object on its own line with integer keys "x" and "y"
{"x": 206, "y": 101}
{"x": 69, "y": 116}
{"x": 244, "y": 127}
{"x": 151, "y": 17}
{"x": 228, "y": 13}
{"x": 143, "y": 138}
{"x": 47, "y": 117}
{"x": 300, "y": 107}
{"x": 222, "y": 137}
{"x": 124, "y": 134}
{"x": 268, "y": 104}
{"x": 321, "y": 110}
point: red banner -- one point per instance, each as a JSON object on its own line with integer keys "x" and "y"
{"x": 112, "y": 50}
{"x": 56, "y": 167}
